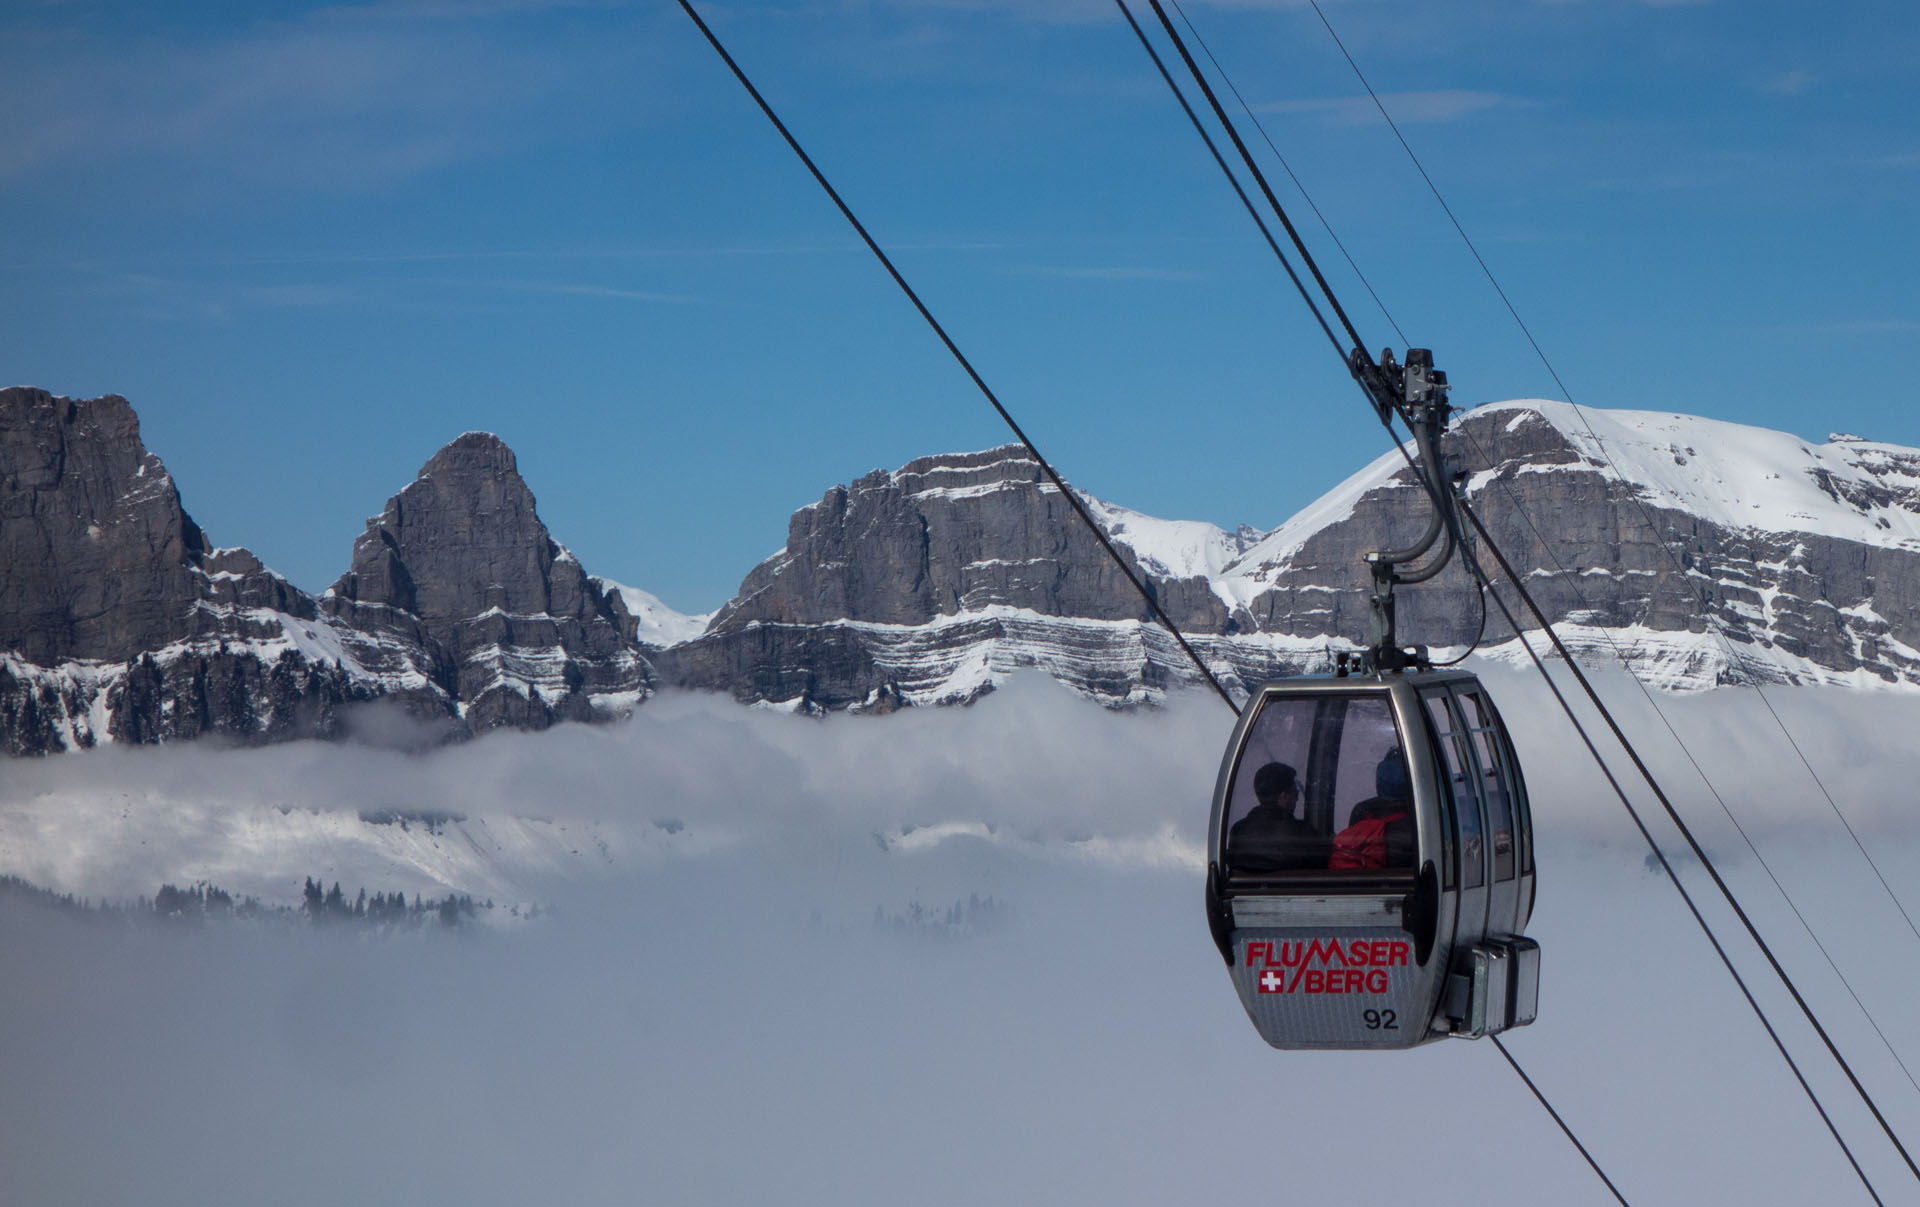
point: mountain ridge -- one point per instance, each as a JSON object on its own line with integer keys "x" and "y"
{"x": 1776, "y": 559}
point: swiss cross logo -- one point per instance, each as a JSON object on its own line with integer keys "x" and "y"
{"x": 1272, "y": 982}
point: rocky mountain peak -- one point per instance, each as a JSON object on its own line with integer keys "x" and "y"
{"x": 464, "y": 538}
{"x": 518, "y": 632}
{"x": 1008, "y": 463}
{"x": 119, "y": 621}
{"x": 1709, "y": 551}
{"x": 470, "y": 451}
{"x": 940, "y": 537}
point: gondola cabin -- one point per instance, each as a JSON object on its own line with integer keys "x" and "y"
{"x": 1370, "y": 864}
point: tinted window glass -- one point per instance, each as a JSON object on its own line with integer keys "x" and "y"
{"x": 1321, "y": 785}
{"x": 1467, "y": 800}
{"x": 1486, "y": 745}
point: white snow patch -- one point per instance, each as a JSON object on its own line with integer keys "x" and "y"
{"x": 658, "y": 623}
{"x": 1168, "y": 548}
{"x": 1743, "y": 477}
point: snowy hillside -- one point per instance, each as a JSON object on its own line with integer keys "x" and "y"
{"x": 655, "y": 622}
{"x": 1744, "y": 477}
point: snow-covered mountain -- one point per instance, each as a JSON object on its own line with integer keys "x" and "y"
{"x": 1699, "y": 551}
{"x": 1703, "y": 551}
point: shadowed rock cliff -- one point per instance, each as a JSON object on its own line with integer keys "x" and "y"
{"x": 459, "y": 561}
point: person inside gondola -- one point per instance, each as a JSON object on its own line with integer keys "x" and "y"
{"x": 1270, "y": 838}
{"x": 1380, "y": 831}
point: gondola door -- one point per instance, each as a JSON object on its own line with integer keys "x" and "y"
{"x": 1460, "y": 773}
{"x": 1486, "y": 744}
{"x": 1321, "y": 828}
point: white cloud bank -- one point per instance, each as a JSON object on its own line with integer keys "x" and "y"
{"x": 711, "y": 1017}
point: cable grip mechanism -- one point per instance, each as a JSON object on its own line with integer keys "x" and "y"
{"x": 1416, "y": 393}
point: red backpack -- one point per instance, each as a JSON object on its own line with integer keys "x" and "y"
{"x": 1363, "y": 844}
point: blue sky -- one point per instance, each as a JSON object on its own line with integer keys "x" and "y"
{"x": 312, "y": 244}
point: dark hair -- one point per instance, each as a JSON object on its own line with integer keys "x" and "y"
{"x": 1270, "y": 781}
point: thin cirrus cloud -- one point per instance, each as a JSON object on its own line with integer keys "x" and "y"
{"x": 173, "y": 298}
{"x": 1407, "y": 108}
{"x": 1790, "y": 83}
{"x": 601, "y": 291}
{"x": 355, "y": 101}
{"x": 1110, "y": 273}
{"x": 1880, "y": 326}
{"x": 176, "y": 298}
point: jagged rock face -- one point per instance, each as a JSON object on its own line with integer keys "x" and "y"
{"x": 1711, "y": 545}
{"x": 1750, "y": 556}
{"x": 117, "y": 620}
{"x": 119, "y": 623}
{"x": 233, "y": 694}
{"x": 461, "y": 539}
{"x": 521, "y": 635}
{"x": 977, "y": 552}
{"x": 942, "y": 536}
{"x": 97, "y": 557}
{"x": 1767, "y": 559}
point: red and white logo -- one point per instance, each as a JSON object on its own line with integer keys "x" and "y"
{"x": 1271, "y": 981}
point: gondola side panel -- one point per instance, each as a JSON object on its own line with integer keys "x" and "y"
{"x": 1327, "y": 987}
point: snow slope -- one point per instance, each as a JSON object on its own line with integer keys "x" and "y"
{"x": 1745, "y": 477}
{"x": 658, "y": 623}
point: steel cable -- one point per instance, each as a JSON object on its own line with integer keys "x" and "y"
{"x": 1646, "y": 516}
{"x": 1220, "y": 116}
{"x": 1053, "y": 476}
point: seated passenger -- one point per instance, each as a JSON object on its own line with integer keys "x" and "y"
{"x": 1270, "y": 838}
{"x": 1380, "y": 832}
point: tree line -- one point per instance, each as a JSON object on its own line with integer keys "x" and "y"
{"x": 204, "y": 901}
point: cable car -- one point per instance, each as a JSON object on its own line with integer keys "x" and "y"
{"x": 1370, "y": 863}
{"x": 1370, "y": 852}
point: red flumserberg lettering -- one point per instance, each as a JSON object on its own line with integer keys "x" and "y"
{"x": 1329, "y": 966}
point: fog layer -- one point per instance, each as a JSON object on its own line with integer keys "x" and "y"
{"x": 760, "y": 990}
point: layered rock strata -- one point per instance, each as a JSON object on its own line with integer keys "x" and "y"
{"x": 1700, "y": 552}
{"x": 120, "y": 622}
{"x": 460, "y": 564}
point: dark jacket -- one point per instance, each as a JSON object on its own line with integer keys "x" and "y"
{"x": 1268, "y": 840}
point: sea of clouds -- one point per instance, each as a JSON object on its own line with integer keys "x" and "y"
{"x": 950, "y": 956}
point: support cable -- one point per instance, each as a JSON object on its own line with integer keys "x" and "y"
{"x": 1053, "y": 476}
{"x": 1573, "y": 585}
{"x": 1647, "y": 518}
{"x": 1436, "y": 190}
{"x": 1066, "y": 492}
{"x": 1666, "y": 866}
{"x": 1231, "y": 178}
{"x": 1686, "y": 832}
{"x": 1573, "y": 1139}
{"x": 1653, "y": 845}
{"x": 1359, "y": 346}
{"x": 1288, "y": 168}
{"x": 1660, "y": 539}
{"x": 1259, "y": 177}
{"x": 1639, "y": 505}
{"x": 1221, "y": 117}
